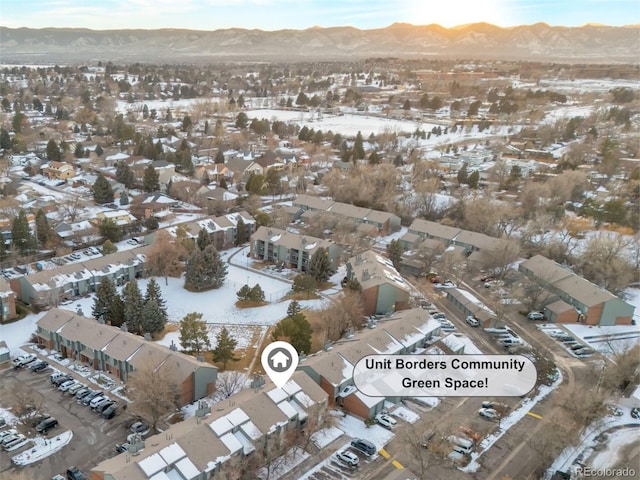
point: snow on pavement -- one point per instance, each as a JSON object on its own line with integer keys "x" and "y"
{"x": 405, "y": 414}
{"x": 43, "y": 448}
{"x": 356, "y": 428}
{"x": 324, "y": 437}
{"x": 18, "y": 333}
{"x": 610, "y": 455}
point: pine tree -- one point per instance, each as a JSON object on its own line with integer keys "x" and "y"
{"x": 110, "y": 230}
{"x": 222, "y": 183}
{"x": 463, "y": 175}
{"x": 154, "y": 293}
{"x": 150, "y": 181}
{"x": 133, "y": 305}
{"x": 474, "y": 179}
{"x": 219, "y": 157}
{"x": 124, "y": 174}
{"x": 394, "y": 252}
{"x": 21, "y": 234}
{"x": 358, "y": 148}
{"x": 204, "y": 270}
{"x": 115, "y": 315}
{"x": 257, "y": 294}
{"x": 99, "y": 150}
{"x": 153, "y": 319}
{"x": 3, "y": 249}
{"x": 53, "y": 151}
{"x": 294, "y": 308}
{"x": 320, "y": 266}
{"x": 203, "y": 240}
{"x": 241, "y": 231}
{"x": 102, "y": 191}
{"x": 43, "y": 231}
{"x": 225, "y": 347}
{"x": 108, "y": 247}
{"x": 194, "y": 335}
{"x": 297, "y": 329}
{"x": 104, "y": 300}
{"x": 244, "y": 293}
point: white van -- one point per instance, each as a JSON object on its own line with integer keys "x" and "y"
{"x": 461, "y": 445}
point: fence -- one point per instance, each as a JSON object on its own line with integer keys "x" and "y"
{"x": 269, "y": 296}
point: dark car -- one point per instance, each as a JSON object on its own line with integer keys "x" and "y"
{"x": 74, "y": 474}
{"x": 86, "y": 400}
{"x": 46, "y": 425}
{"x": 365, "y": 446}
{"x": 103, "y": 406}
{"x": 139, "y": 427}
{"x": 41, "y": 367}
{"x": 109, "y": 412}
{"x": 60, "y": 380}
{"x": 635, "y": 413}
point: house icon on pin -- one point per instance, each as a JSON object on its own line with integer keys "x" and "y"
{"x": 280, "y": 360}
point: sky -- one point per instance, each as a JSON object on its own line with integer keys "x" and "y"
{"x": 301, "y": 14}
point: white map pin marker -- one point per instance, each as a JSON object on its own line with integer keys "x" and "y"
{"x": 279, "y": 361}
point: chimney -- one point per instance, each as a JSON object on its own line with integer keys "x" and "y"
{"x": 123, "y": 327}
{"x": 147, "y": 336}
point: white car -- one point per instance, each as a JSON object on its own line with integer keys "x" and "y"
{"x": 535, "y": 316}
{"x": 386, "y": 421}
{"x": 23, "y": 360}
{"x": 67, "y": 385}
{"x": 348, "y": 458}
{"x": 488, "y": 413}
{"x": 473, "y": 321}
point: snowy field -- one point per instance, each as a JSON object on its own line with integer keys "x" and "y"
{"x": 616, "y": 441}
{"x": 405, "y": 414}
{"x": 324, "y": 437}
{"x": 607, "y": 339}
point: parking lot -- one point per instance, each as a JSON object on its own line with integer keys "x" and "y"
{"x": 94, "y": 437}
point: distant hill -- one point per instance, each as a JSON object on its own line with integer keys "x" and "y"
{"x": 538, "y": 42}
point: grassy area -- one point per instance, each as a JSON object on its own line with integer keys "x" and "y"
{"x": 250, "y": 304}
{"x": 318, "y": 337}
{"x": 312, "y": 295}
{"x": 168, "y": 328}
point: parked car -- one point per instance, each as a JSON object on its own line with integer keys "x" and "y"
{"x": 46, "y": 425}
{"x": 102, "y": 405}
{"x": 80, "y": 394}
{"x": 89, "y": 398}
{"x": 98, "y": 399}
{"x": 122, "y": 447}
{"x": 67, "y": 385}
{"x": 14, "y": 442}
{"x": 7, "y": 433}
{"x": 24, "y": 360}
{"x": 386, "y": 421}
{"x": 109, "y": 412}
{"x": 461, "y": 445}
{"x": 74, "y": 474}
{"x": 535, "y": 316}
{"x": 76, "y": 388}
{"x": 41, "y": 367}
{"x": 473, "y": 321}
{"x": 57, "y": 477}
{"x": 9, "y": 438}
{"x": 447, "y": 326}
{"x": 635, "y": 413}
{"x": 139, "y": 427}
{"x": 348, "y": 458}
{"x": 33, "y": 365}
{"x": 488, "y": 413}
{"x": 511, "y": 341}
{"x": 365, "y": 446}
{"x": 60, "y": 380}
{"x": 438, "y": 315}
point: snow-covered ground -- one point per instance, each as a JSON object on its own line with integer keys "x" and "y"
{"x": 18, "y": 333}
{"x": 616, "y": 441}
{"x": 607, "y": 340}
{"x": 405, "y": 414}
{"x": 282, "y": 465}
{"x": 324, "y": 437}
{"x": 42, "y": 448}
{"x": 356, "y": 428}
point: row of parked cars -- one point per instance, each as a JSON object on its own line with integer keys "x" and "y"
{"x": 96, "y": 399}
{"x": 572, "y": 345}
{"x": 348, "y": 456}
{"x": 507, "y": 338}
{"x": 445, "y": 325}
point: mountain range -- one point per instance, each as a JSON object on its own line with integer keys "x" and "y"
{"x": 537, "y": 42}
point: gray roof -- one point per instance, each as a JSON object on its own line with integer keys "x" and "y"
{"x": 434, "y": 229}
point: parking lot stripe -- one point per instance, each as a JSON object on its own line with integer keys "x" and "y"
{"x": 534, "y": 415}
{"x": 397, "y": 464}
{"x": 385, "y": 454}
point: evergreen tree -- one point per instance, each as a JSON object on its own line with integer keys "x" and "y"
{"x": 256, "y": 294}
{"x": 153, "y": 319}
{"x": 219, "y": 157}
{"x": 244, "y": 293}
{"x": 43, "y": 230}
{"x": 133, "y": 305}
{"x": 225, "y": 348}
{"x": 3, "y": 249}
{"x": 206, "y": 127}
{"x": 110, "y": 230}
{"x": 21, "y": 234}
{"x": 99, "y": 150}
{"x": 242, "y": 120}
{"x": 474, "y": 179}
{"x": 53, "y": 151}
{"x": 203, "y": 240}
{"x": 153, "y": 293}
{"x": 297, "y": 329}
{"x": 358, "y": 148}
{"x": 116, "y": 312}
{"x": 394, "y": 252}
{"x": 304, "y": 283}
{"x": 124, "y": 199}
{"x": 374, "y": 158}
{"x": 105, "y": 308}
{"x": 241, "y": 231}
{"x": 5, "y": 139}
{"x": 102, "y": 191}
{"x": 294, "y": 308}
{"x": 108, "y": 247}
{"x": 124, "y": 174}
{"x": 204, "y": 270}
{"x": 320, "y": 266}
{"x": 463, "y": 175}
{"x": 194, "y": 335}
{"x": 79, "y": 151}
{"x": 150, "y": 181}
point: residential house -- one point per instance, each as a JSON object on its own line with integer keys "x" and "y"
{"x": 592, "y": 305}
{"x": 384, "y": 222}
{"x": 211, "y": 444}
{"x": 58, "y": 170}
{"x": 7, "y": 302}
{"x": 222, "y": 230}
{"x": 469, "y": 305}
{"x": 50, "y": 287}
{"x": 148, "y": 205}
{"x": 242, "y": 168}
{"x": 292, "y": 249}
{"x": 405, "y": 332}
{"x": 119, "y": 217}
{"x": 77, "y": 232}
{"x": 122, "y": 354}
{"x": 383, "y": 289}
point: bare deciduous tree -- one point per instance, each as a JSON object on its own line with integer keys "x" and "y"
{"x": 163, "y": 258}
{"x": 344, "y": 312}
{"x": 229, "y": 383}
